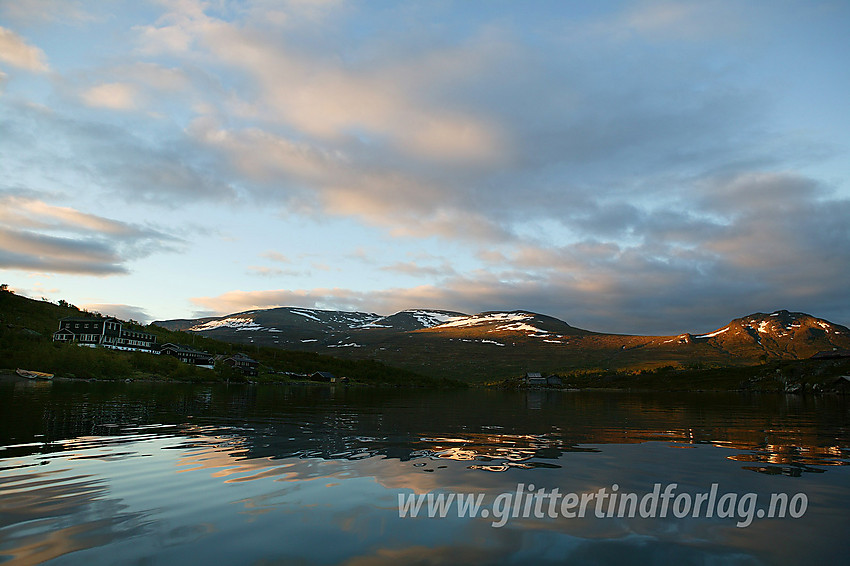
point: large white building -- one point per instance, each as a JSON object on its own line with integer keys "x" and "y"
{"x": 108, "y": 332}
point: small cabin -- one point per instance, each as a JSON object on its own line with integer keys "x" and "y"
{"x": 554, "y": 381}
{"x": 187, "y": 355}
{"x": 243, "y": 363}
{"x": 535, "y": 378}
{"x": 323, "y": 377}
{"x": 834, "y": 354}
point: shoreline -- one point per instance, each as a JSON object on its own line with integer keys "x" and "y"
{"x": 7, "y": 375}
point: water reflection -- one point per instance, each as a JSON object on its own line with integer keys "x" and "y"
{"x": 163, "y": 474}
{"x": 482, "y": 427}
{"x": 50, "y": 514}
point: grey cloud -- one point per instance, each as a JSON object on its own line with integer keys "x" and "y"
{"x": 41, "y": 237}
{"x": 758, "y": 191}
{"x": 573, "y": 136}
{"x": 124, "y": 312}
{"x": 40, "y": 244}
{"x": 670, "y": 281}
{"x": 108, "y": 157}
{"x": 52, "y": 264}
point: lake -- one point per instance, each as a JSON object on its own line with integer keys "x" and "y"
{"x": 150, "y": 473}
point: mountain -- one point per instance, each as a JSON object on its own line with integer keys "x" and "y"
{"x": 293, "y": 325}
{"x": 502, "y": 343}
{"x": 779, "y": 334}
{"x": 27, "y": 326}
{"x": 410, "y": 320}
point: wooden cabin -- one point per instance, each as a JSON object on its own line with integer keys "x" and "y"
{"x": 243, "y": 363}
{"x": 535, "y": 378}
{"x": 323, "y": 376}
{"x": 187, "y": 355}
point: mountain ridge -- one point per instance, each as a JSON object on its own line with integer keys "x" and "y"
{"x": 499, "y": 343}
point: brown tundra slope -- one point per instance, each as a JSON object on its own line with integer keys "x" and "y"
{"x": 494, "y": 345}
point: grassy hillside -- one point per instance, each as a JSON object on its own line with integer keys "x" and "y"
{"x": 27, "y": 326}
{"x": 473, "y": 356}
{"x": 797, "y": 376}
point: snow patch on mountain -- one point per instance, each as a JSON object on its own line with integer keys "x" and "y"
{"x": 308, "y": 315}
{"x": 522, "y": 327}
{"x": 478, "y": 341}
{"x": 237, "y": 323}
{"x": 510, "y": 322}
{"x": 488, "y": 318}
{"x": 431, "y": 318}
{"x": 712, "y": 335}
{"x": 425, "y": 318}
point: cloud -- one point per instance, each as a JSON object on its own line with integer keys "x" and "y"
{"x": 28, "y": 212}
{"x": 123, "y": 312}
{"x": 52, "y": 254}
{"x": 313, "y": 180}
{"x": 151, "y": 88}
{"x": 757, "y": 256}
{"x": 415, "y": 269}
{"x": 429, "y": 139}
{"x": 110, "y": 158}
{"x": 38, "y": 11}
{"x": 682, "y": 20}
{"x": 629, "y": 204}
{"x": 327, "y": 99}
{"x": 237, "y": 301}
{"x": 426, "y": 139}
{"x": 276, "y": 256}
{"x": 37, "y": 236}
{"x": 17, "y": 52}
{"x": 116, "y": 96}
{"x": 265, "y": 271}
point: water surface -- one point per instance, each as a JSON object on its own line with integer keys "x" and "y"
{"x": 143, "y": 473}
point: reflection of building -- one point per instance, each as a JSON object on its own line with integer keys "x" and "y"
{"x": 108, "y": 332}
{"x": 187, "y": 355}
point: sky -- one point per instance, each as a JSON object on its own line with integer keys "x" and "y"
{"x": 648, "y": 167}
